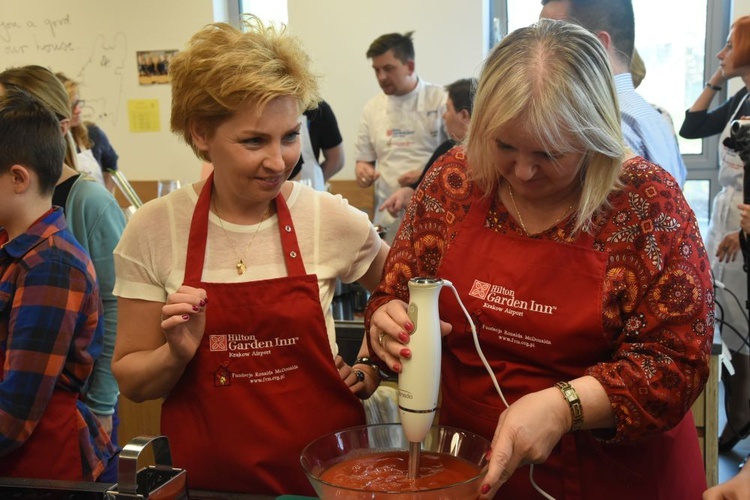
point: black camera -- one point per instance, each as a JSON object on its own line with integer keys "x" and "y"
{"x": 739, "y": 139}
{"x": 740, "y": 129}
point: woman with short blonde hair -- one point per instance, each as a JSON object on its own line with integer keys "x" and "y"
{"x": 226, "y": 286}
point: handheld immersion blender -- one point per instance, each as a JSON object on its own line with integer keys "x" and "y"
{"x": 419, "y": 380}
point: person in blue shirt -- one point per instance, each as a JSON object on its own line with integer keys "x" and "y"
{"x": 646, "y": 132}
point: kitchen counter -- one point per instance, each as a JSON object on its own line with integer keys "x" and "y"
{"x": 29, "y": 489}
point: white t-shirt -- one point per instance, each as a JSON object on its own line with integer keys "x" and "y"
{"x": 89, "y": 166}
{"x": 400, "y": 133}
{"x": 335, "y": 240}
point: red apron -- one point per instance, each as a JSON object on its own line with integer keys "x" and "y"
{"x": 537, "y": 305}
{"x": 53, "y": 450}
{"x": 263, "y": 383}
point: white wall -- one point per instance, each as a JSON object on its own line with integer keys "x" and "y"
{"x": 95, "y": 42}
{"x": 448, "y": 42}
{"x": 740, "y": 8}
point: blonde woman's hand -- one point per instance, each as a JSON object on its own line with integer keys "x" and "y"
{"x": 526, "y": 433}
{"x": 183, "y": 319}
{"x": 389, "y": 333}
{"x": 390, "y": 328}
{"x": 363, "y": 389}
{"x": 347, "y": 375}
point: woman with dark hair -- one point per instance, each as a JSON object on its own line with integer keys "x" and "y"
{"x": 723, "y": 238}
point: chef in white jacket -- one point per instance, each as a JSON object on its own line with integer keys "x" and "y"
{"x": 400, "y": 127}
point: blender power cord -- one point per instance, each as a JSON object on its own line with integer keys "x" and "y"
{"x": 718, "y": 284}
{"x": 742, "y": 337}
{"x": 722, "y": 323}
{"x": 494, "y": 379}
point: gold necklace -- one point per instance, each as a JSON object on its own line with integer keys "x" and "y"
{"x": 520, "y": 218}
{"x": 240, "y": 265}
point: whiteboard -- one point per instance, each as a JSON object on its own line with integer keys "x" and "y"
{"x": 95, "y": 42}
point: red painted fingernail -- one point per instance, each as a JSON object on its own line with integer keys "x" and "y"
{"x": 485, "y": 489}
{"x": 397, "y": 367}
{"x": 196, "y": 308}
{"x": 185, "y": 316}
{"x": 204, "y": 302}
{"x": 404, "y": 338}
{"x": 409, "y": 326}
{"x": 405, "y": 353}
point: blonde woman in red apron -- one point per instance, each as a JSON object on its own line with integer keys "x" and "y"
{"x": 225, "y": 286}
{"x": 583, "y": 270}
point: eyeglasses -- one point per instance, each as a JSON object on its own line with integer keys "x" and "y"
{"x": 79, "y": 104}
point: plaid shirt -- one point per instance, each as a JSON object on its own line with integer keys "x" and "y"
{"x": 50, "y": 334}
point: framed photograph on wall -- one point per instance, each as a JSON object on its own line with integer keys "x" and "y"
{"x": 153, "y": 66}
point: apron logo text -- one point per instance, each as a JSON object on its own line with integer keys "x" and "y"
{"x": 517, "y": 338}
{"x": 275, "y": 375}
{"x": 241, "y": 345}
{"x": 397, "y": 132}
{"x": 502, "y": 299}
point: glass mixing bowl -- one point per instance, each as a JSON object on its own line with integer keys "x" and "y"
{"x": 354, "y": 442}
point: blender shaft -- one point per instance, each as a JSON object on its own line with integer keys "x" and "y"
{"x": 415, "y": 451}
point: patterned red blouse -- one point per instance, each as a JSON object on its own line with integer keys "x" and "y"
{"x": 658, "y": 294}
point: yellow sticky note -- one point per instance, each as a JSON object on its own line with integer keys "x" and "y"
{"x": 143, "y": 115}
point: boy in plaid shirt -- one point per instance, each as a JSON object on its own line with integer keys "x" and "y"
{"x": 50, "y": 311}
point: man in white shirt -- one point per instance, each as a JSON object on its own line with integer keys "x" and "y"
{"x": 645, "y": 131}
{"x": 401, "y": 126}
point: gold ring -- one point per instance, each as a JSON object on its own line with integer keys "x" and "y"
{"x": 380, "y": 339}
{"x": 363, "y": 179}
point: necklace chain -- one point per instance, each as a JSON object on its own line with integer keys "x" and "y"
{"x": 520, "y": 218}
{"x": 240, "y": 265}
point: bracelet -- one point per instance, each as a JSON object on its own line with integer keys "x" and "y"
{"x": 576, "y": 410}
{"x": 369, "y": 362}
{"x": 711, "y": 86}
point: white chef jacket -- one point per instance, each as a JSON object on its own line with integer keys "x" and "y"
{"x": 399, "y": 134}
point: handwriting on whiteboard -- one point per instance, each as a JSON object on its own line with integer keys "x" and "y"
{"x": 36, "y": 35}
{"x": 63, "y": 42}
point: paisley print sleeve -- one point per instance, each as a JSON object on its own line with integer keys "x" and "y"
{"x": 658, "y": 304}
{"x": 439, "y": 204}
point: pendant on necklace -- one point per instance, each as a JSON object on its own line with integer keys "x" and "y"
{"x": 240, "y": 267}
